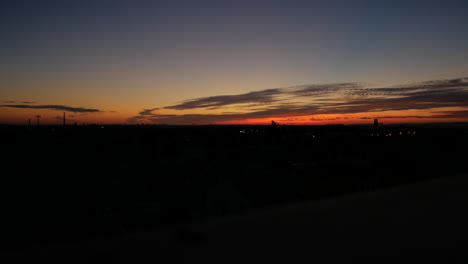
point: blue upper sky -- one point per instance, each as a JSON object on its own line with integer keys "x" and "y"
{"x": 169, "y": 51}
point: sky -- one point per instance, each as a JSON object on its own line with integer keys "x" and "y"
{"x": 233, "y": 62}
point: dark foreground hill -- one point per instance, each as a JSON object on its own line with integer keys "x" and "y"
{"x": 417, "y": 222}
{"x": 61, "y": 185}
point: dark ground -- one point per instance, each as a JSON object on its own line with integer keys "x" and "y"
{"x": 62, "y": 185}
{"x": 418, "y": 223}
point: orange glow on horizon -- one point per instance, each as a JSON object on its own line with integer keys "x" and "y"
{"x": 348, "y": 121}
{"x": 51, "y": 117}
{"x": 54, "y": 117}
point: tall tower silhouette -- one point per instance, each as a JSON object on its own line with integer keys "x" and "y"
{"x": 38, "y": 117}
{"x": 63, "y": 119}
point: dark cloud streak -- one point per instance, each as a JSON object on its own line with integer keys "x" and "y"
{"x": 310, "y": 100}
{"x": 55, "y": 107}
{"x": 147, "y": 112}
{"x": 214, "y": 102}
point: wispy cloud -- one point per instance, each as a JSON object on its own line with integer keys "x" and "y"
{"x": 148, "y": 112}
{"x": 264, "y": 97}
{"x": 322, "y": 99}
{"x": 451, "y": 114}
{"x": 213, "y": 102}
{"x": 55, "y": 107}
{"x": 14, "y": 102}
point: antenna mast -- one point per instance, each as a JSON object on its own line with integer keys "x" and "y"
{"x": 38, "y": 117}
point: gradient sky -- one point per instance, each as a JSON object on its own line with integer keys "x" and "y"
{"x": 204, "y": 62}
